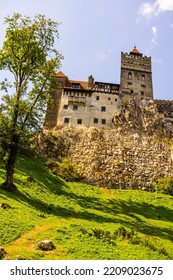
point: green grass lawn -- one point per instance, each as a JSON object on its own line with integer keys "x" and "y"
{"x": 84, "y": 222}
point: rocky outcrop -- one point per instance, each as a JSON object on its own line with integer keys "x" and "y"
{"x": 144, "y": 118}
{"x": 132, "y": 155}
{"x": 46, "y": 245}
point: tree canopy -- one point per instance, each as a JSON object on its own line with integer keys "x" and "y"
{"x": 29, "y": 54}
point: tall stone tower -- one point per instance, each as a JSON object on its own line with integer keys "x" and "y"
{"x": 136, "y": 75}
{"x": 54, "y": 101}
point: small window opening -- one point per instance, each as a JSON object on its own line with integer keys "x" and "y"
{"x": 79, "y": 121}
{"x": 66, "y": 120}
{"x": 103, "y": 109}
{"x": 103, "y": 121}
{"x": 96, "y": 120}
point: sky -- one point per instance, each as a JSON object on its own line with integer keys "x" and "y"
{"x": 92, "y": 34}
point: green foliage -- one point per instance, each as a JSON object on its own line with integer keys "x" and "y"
{"x": 164, "y": 185}
{"x": 84, "y": 222}
{"x": 28, "y": 53}
{"x": 66, "y": 170}
{"x": 104, "y": 235}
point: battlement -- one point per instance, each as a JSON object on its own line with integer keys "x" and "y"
{"x": 136, "y": 62}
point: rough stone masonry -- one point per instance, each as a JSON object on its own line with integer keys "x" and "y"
{"x": 138, "y": 151}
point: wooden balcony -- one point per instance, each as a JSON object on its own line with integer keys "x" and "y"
{"x": 78, "y": 100}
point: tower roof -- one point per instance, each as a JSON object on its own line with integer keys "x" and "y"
{"x": 60, "y": 74}
{"x": 135, "y": 50}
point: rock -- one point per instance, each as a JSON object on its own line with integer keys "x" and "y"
{"x": 4, "y": 205}
{"x": 30, "y": 179}
{"x": 46, "y": 245}
{"x": 2, "y": 253}
{"x": 134, "y": 158}
{"x": 41, "y": 215}
{"x": 19, "y": 257}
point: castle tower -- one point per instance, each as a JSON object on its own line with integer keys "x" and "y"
{"x": 54, "y": 101}
{"x": 136, "y": 75}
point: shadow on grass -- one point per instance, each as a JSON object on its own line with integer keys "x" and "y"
{"x": 107, "y": 215}
{"x": 109, "y": 211}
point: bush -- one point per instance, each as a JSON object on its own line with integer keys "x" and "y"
{"x": 164, "y": 185}
{"x": 123, "y": 233}
{"x": 66, "y": 170}
{"x": 103, "y": 235}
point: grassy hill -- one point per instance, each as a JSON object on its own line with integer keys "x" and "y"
{"x": 84, "y": 222}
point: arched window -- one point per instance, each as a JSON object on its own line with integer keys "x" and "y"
{"x": 129, "y": 75}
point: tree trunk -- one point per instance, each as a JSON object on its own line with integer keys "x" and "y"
{"x": 13, "y": 151}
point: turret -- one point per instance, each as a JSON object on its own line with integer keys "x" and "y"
{"x": 136, "y": 75}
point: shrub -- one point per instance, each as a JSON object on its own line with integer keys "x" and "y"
{"x": 103, "y": 235}
{"x": 123, "y": 233}
{"x": 164, "y": 185}
{"x": 66, "y": 170}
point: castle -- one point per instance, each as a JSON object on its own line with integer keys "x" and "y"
{"x": 134, "y": 149}
{"x": 91, "y": 103}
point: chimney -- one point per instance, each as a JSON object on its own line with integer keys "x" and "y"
{"x": 90, "y": 81}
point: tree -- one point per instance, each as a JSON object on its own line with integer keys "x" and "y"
{"x": 28, "y": 53}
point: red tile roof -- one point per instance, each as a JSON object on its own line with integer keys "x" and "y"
{"x": 60, "y": 74}
{"x": 135, "y": 50}
{"x": 83, "y": 84}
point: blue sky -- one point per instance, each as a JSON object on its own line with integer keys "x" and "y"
{"x": 94, "y": 32}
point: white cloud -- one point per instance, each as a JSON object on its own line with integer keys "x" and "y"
{"x": 165, "y": 5}
{"x": 154, "y": 39}
{"x": 149, "y": 9}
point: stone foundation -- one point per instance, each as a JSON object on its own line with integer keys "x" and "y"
{"x": 135, "y": 153}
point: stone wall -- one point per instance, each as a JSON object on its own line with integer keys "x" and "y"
{"x": 135, "y": 153}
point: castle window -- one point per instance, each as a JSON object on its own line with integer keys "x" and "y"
{"x": 79, "y": 121}
{"x": 96, "y": 120}
{"x": 103, "y": 109}
{"x": 97, "y": 97}
{"x": 115, "y": 99}
{"x": 103, "y": 121}
{"x": 75, "y": 85}
{"x": 129, "y": 75}
{"x": 75, "y": 107}
{"x": 132, "y": 91}
{"x": 143, "y": 86}
{"x": 142, "y": 93}
{"x": 129, "y": 84}
{"x": 65, "y": 107}
{"x": 143, "y": 77}
{"x": 109, "y": 98}
{"x": 66, "y": 120}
